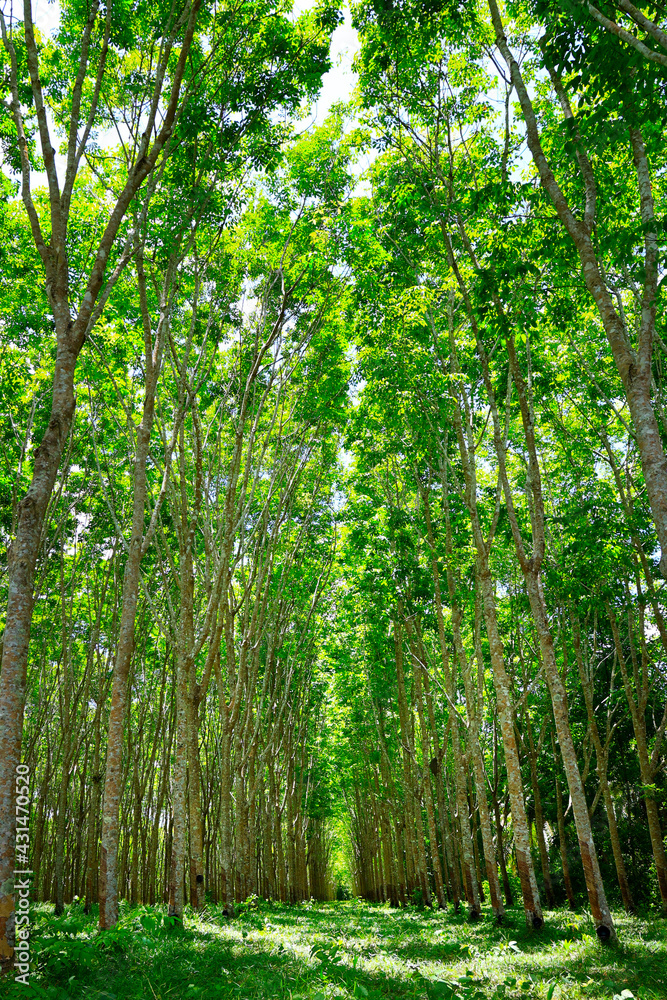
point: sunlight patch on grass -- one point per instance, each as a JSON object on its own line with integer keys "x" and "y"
{"x": 343, "y": 950}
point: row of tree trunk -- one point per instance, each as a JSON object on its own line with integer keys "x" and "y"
{"x": 249, "y": 828}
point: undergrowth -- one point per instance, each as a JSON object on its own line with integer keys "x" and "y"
{"x": 345, "y": 949}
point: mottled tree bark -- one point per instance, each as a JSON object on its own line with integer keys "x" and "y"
{"x": 637, "y": 702}
{"x": 501, "y": 681}
{"x": 426, "y": 782}
{"x": 179, "y": 793}
{"x": 474, "y": 707}
{"x": 450, "y": 870}
{"x": 194, "y": 804}
{"x": 601, "y": 756}
{"x": 66, "y": 721}
{"x": 531, "y": 569}
{"x": 136, "y": 549}
{"x": 407, "y": 748}
{"x": 532, "y": 753}
{"x": 524, "y": 861}
{"x": 562, "y": 839}
{"x": 155, "y": 829}
{"x": 391, "y": 806}
{"x": 465, "y": 842}
{"x": 507, "y": 888}
{"x": 634, "y": 366}
{"x": 61, "y": 820}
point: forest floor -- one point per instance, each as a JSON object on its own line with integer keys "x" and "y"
{"x": 340, "y": 950}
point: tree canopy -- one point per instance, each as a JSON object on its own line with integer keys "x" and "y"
{"x": 334, "y": 471}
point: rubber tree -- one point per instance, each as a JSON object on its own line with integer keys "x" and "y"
{"x": 98, "y": 55}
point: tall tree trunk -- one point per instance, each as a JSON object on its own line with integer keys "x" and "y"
{"x": 473, "y": 710}
{"x": 507, "y": 888}
{"x": 596, "y": 893}
{"x": 450, "y": 870}
{"x": 426, "y": 782}
{"x": 601, "y": 761}
{"x": 22, "y": 560}
{"x": 539, "y": 815}
{"x": 61, "y": 821}
{"x": 70, "y": 338}
{"x": 226, "y": 819}
{"x": 113, "y": 791}
{"x": 42, "y": 801}
{"x": 562, "y": 839}
{"x": 179, "y": 792}
{"x": 475, "y": 706}
{"x": 93, "y": 813}
{"x": 531, "y": 569}
{"x": 412, "y": 860}
{"x": 637, "y": 704}
{"x": 465, "y": 841}
{"x": 501, "y": 681}
{"x": 136, "y": 847}
{"x": 155, "y": 829}
{"x": 195, "y": 806}
{"x": 634, "y": 366}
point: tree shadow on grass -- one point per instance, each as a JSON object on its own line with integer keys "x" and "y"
{"x": 355, "y": 950}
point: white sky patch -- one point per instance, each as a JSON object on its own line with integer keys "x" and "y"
{"x": 340, "y": 81}
{"x": 46, "y": 15}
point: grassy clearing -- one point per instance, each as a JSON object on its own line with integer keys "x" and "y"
{"x": 348, "y": 949}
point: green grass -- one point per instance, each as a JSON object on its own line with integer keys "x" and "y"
{"x": 347, "y": 949}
